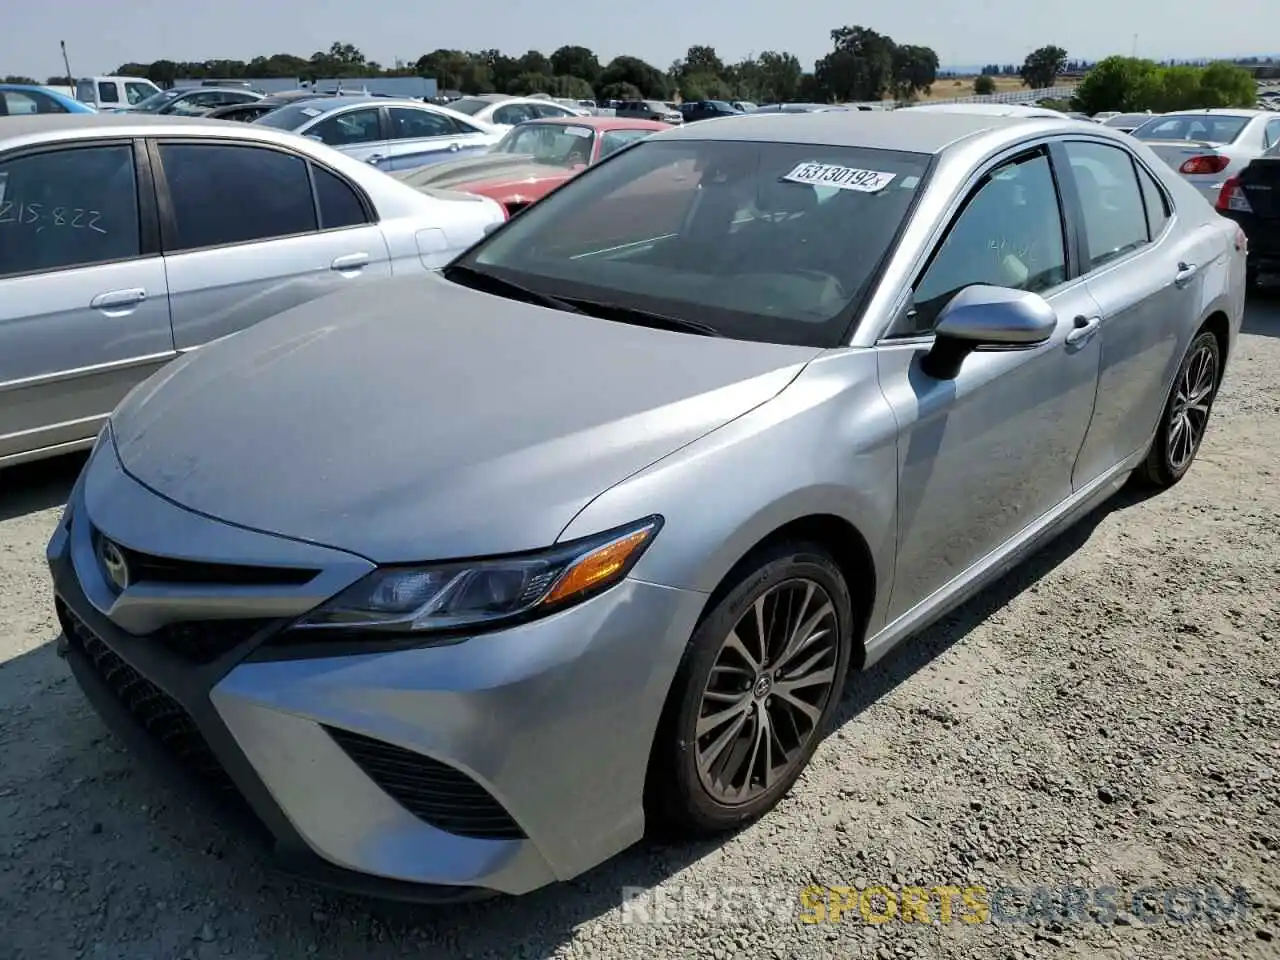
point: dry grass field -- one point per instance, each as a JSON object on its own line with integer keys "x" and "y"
{"x": 949, "y": 88}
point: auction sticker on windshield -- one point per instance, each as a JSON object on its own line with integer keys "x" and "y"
{"x": 578, "y": 131}
{"x": 844, "y": 178}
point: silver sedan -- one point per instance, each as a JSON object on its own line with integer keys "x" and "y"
{"x": 463, "y": 585}
{"x": 126, "y": 241}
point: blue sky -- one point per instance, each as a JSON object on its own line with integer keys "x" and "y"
{"x": 100, "y": 35}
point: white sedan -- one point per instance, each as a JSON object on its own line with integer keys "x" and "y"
{"x": 128, "y": 240}
{"x": 504, "y": 112}
{"x": 1209, "y": 147}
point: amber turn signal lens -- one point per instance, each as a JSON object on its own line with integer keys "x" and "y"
{"x": 599, "y": 567}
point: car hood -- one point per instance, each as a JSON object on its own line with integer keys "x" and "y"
{"x": 505, "y": 167}
{"x": 431, "y": 421}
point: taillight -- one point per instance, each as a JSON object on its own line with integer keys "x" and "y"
{"x": 1232, "y": 197}
{"x": 1208, "y": 163}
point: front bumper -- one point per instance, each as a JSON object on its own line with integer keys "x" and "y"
{"x": 498, "y": 764}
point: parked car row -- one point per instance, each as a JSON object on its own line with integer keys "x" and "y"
{"x": 129, "y": 239}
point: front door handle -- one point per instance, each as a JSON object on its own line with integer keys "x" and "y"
{"x": 453, "y": 148}
{"x": 352, "y": 261}
{"x": 118, "y": 299}
{"x": 1186, "y": 271}
{"x": 376, "y": 159}
{"x": 1085, "y": 327}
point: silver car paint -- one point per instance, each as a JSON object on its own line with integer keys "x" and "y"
{"x": 411, "y": 152}
{"x": 64, "y": 363}
{"x": 913, "y": 474}
{"x": 557, "y": 416}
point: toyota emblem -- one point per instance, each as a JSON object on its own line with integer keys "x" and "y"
{"x": 115, "y": 565}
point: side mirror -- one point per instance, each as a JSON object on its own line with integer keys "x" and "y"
{"x": 987, "y": 317}
{"x": 317, "y": 139}
{"x": 490, "y": 227}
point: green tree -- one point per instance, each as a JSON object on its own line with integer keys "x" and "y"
{"x": 645, "y": 77}
{"x": 575, "y": 88}
{"x": 1117, "y": 83}
{"x": 620, "y": 90}
{"x": 780, "y": 75}
{"x": 1043, "y": 66}
{"x": 575, "y": 61}
{"x": 527, "y": 83}
{"x": 984, "y": 85}
{"x": 859, "y": 68}
{"x": 1224, "y": 84}
{"x": 15, "y": 78}
{"x": 915, "y": 69}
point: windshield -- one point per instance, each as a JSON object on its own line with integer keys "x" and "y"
{"x": 157, "y": 100}
{"x": 760, "y": 241}
{"x": 291, "y": 116}
{"x": 470, "y": 105}
{"x": 1215, "y": 128}
{"x": 559, "y": 144}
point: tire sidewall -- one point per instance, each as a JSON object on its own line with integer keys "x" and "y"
{"x": 704, "y": 647}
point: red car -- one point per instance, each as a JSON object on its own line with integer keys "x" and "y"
{"x": 534, "y": 158}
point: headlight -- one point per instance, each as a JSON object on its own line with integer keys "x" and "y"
{"x": 484, "y": 593}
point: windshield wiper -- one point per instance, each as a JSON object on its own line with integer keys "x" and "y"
{"x": 642, "y": 318}
{"x": 488, "y": 283}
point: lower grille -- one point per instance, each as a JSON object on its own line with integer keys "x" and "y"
{"x": 203, "y": 641}
{"x": 432, "y": 791}
{"x": 157, "y": 712}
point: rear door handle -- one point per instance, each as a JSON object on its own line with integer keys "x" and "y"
{"x": 1186, "y": 272}
{"x": 376, "y": 159}
{"x": 1085, "y": 327}
{"x": 352, "y": 261}
{"x": 116, "y": 299}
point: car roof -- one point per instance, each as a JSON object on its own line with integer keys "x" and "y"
{"x": 68, "y": 126}
{"x": 913, "y": 131}
{"x": 601, "y": 123}
{"x": 990, "y": 109}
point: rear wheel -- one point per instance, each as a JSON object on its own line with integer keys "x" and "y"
{"x": 1186, "y": 414}
{"x": 757, "y": 688}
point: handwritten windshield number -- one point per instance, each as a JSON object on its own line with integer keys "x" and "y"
{"x": 29, "y": 214}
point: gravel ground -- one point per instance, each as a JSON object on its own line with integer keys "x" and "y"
{"x": 1103, "y": 717}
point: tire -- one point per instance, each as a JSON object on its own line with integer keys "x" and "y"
{"x": 678, "y": 798}
{"x": 1168, "y": 463}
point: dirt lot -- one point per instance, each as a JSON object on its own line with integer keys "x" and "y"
{"x": 1105, "y": 716}
{"x": 948, "y": 88}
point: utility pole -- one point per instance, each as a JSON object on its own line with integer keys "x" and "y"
{"x": 65, "y": 65}
{"x": 1134, "y": 52}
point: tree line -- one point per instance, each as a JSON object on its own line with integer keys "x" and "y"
{"x": 862, "y": 65}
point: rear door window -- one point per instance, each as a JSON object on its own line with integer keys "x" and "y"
{"x": 223, "y": 194}
{"x": 409, "y": 124}
{"x": 107, "y": 92}
{"x": 514, "y": 113}
{"x": 1157, "y": 206}
{"x": 350, "y": 128}
{"x": 137, "y": 92}
{"x": 1115, "y": 219}
{"x": 339, "y": 204}
{"x": 68, "y": 208}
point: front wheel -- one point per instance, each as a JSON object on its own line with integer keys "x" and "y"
{"x": 755, "y": 692}
{"x": 1186, "y": 414}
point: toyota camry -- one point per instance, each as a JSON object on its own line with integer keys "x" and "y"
{"x": 459, "y": 588}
